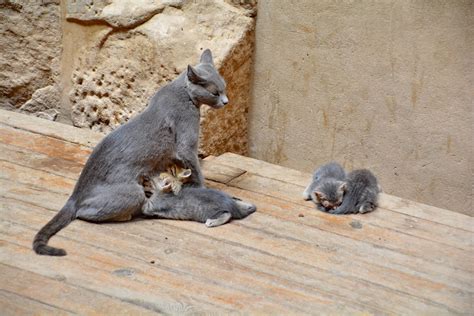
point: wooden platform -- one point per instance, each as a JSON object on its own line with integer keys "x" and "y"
{"x": 288, "y": 258}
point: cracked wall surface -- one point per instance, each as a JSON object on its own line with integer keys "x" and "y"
{"x": 384, "y": 85}
{"x": 102, "y": 60}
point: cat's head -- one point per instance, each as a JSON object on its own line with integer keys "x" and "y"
{"x": 329, "y": 194}
{"x": 204, "y": 84}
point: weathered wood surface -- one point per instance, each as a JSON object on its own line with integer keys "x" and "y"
{"x": 288, "y": 258}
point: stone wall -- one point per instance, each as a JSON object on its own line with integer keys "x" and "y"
{"x": 386, "y": 85}
{"x": 30, "y": 41}
{"x": 116, "y": 53}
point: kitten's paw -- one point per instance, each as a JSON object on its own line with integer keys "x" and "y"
{"x": 221, "y": 220}
{"x": 367, "y": 207}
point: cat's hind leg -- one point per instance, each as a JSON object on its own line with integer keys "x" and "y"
{"x": 118, "y": 202}
{"x": 221, "y": 219}
{"x": 245, "y": 208}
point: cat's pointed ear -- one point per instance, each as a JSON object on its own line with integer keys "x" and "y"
{"x": 206, "y": 57}
{"x": 193, "y": 76}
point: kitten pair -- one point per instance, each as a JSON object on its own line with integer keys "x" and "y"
{"x": 168, "y": 198}
{"x": 337, "y": 193}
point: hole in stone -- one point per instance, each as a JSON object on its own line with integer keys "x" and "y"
{"x": 129, "y": 86}
{"x": 106, "y": 95}
{"x": 82, "y": 109}
{"x": 94, "y": 108}
{"x": 132, "y": 80}
{"x": 99, "y": 83}
{"x": 84, "y": 94}
{"x": 80, "y": 80}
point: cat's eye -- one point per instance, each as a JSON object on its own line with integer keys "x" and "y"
{"x": 216, "y": 94}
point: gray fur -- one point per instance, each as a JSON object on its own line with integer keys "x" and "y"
{"x": 109, "y": 187}
{"x": 361, "y": 193}
{"x": 209, "y": 206}
{"x": 327, "y": 186}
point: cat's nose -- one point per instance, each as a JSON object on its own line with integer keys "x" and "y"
{"x": 224, "y": 99}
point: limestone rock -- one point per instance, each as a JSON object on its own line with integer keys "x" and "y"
{"x": 118, "y": 13}
{"x": 42, "y": 99}
{"x": 30, "y": 41}
{"x": 118, "y": 73}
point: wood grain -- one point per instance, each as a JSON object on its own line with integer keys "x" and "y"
{"x": 287, "y": 258}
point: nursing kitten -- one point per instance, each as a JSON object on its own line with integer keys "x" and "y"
{"x": 209, "y": 206}
{"x": 327, "y": 187}
{"x": 361, "y": 193}
{"x": 171, "y": 181}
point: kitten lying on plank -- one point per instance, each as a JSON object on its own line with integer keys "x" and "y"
{"x": 169, "y": 199}
{"x": 334, "y": 192}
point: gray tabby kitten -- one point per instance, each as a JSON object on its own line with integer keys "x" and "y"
{"x": 110, "y": 186}
{"x": 209, "y": 206}
{"x": 327, "y": 187}
{"x": 361, "y": 193}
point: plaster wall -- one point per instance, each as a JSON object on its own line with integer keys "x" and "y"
{"x": 384, "y": 85}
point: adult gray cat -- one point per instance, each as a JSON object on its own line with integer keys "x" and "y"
{"x": 361, "y": 193}
{"x": 209, "y": 206}
{"x": 109, "y": 187}
{"x": 327, "y": 187}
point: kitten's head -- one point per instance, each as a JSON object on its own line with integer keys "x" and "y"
{"x": 328, "y": 195}
{"x": 164, "y": 182}
{"x": 204, "y": 84}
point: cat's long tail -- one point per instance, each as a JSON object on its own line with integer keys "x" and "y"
{"x": 40, "y": 244}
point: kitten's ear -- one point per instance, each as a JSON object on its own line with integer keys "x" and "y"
{"x": 193, "y": 76}
{"x": 318, "y": 195}
{"x": 184, "y": 175}
{"x": 342, "y": 188}
{"x": 206, "y": 57}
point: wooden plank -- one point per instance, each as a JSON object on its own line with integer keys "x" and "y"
{"x": 62, "y": 295}
{"x": 332, "y": 223}
{"x": 35, "y": 125}
{"x": 382, "y": 217}
{"x": 27, "y": 158}
{"x": 15, "y": 304}
{"x": 393, "y": 282}
{"x": 218, "y": 172}
{"x": 236, "y": 267}
{"x": 36, "y": 178}
{"x": 415, "y": 247}
{"x": 52, "y": 147}
{"x": 387, "y": 201}
{"x": 149, "y": 282}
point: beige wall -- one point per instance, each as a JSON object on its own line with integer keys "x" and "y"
{"x": 385, "y": 85}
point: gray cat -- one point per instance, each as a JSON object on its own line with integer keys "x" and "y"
{"x": 361, "y": 193}
{"x": 209, "y": 206}
{"x": 327, "y": 187}
{"x": 109, "y": 187}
